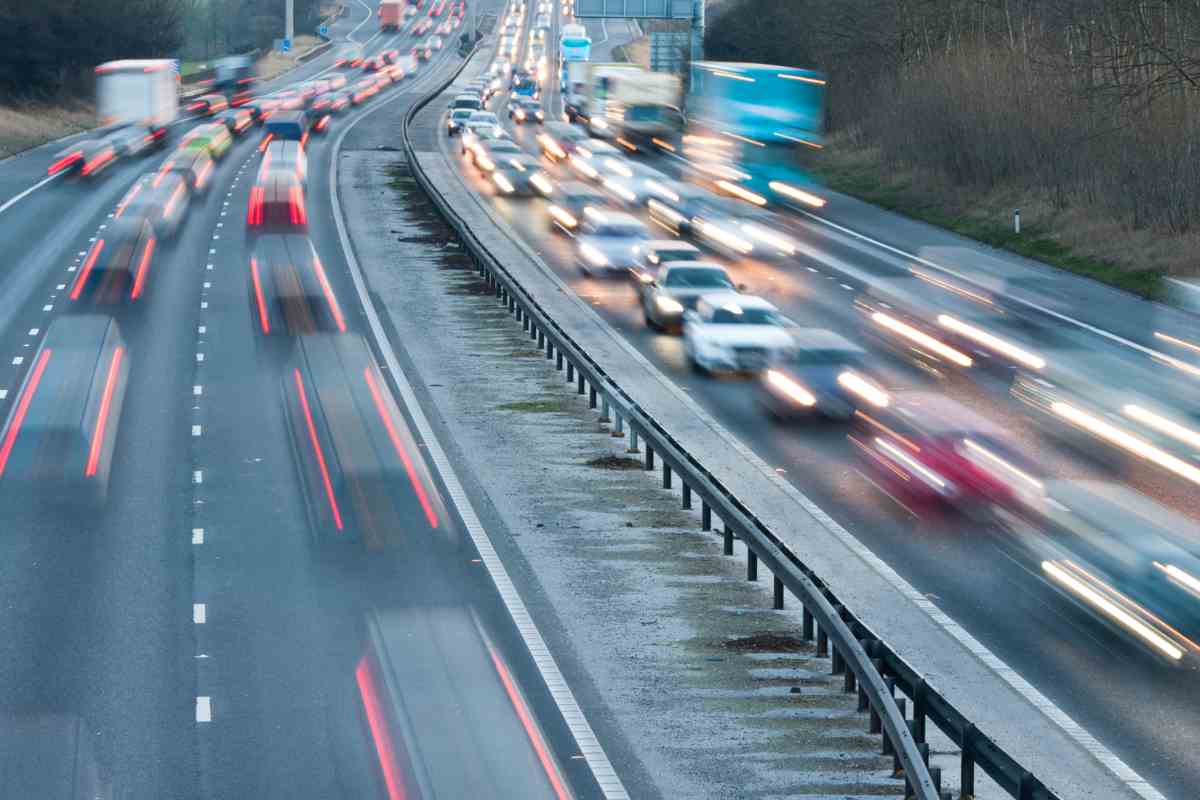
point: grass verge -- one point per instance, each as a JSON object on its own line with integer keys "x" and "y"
{"x": 32, "y": 125}
{"x": 1082, "y": 241}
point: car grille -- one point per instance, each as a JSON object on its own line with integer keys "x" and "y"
{"x": 751, "y": 358}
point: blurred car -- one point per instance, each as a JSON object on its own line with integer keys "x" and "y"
{"x": 896, "y": 318}
{"x": 374, "y": 64}
{"x": 457, "y": 120}
{"x": 606, "y": 242}
{"x": 738, "y": 229}
{"x": 237, "y": 121}
{"x": 470, "y": 102}
{"x": 195, "y": 167}
{"x": 396, "y": 73}
{"x": 826, "y": 374}
{"x": 435, "y": 43}
{"x": 62, "y": 426}
{"x": 500, "y": 67}
{"x": 365, "y": 477}
{"x": 134, "y": 140}
{"x": 340, "y": 101}
{"x": 86, "y": 158}
{"x": 570, "y": 202}
{"x": 669, "y": 290}
{"x": 208, "y": 105}
{"x": 117, "y": 265}
{"x": 289, "y": 126}
{"x": 213, "y": 139}
{"x": 390, "y": 56}
{"x": 422, "y": 51}
{"x": 559, "y": 139}
{"x": 277, "y": 205}
{"x": 484, "y": 154}
{"x": 161, "y": 198}
{"x": 421, "y": 26}
{"x": 284, "y": 157}
{"x": 364, "y": 90}
{"x": 735, "y": 332}
{"x": 929, "y": 450}
{"x": 1121, "y": 557}
{"x": 475, "y": 132}
{"x": 349, "y": 56}
{"x": 259, "y": 108}
{"x": 526, "y": 109}
{"x": 672, "y": 203}
{"x": 656, "y": 253}
{"x": 521, "y": 175}
{"x": 289, "y": 290}
{"x": 337, "y": 82}
{"x": 587, "y": 160}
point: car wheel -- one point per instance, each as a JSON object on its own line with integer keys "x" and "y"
{"x": 650, "y": 321}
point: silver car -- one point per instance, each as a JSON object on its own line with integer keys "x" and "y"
{"x": 607, "y": 240}
{"x": 676, "y": 287}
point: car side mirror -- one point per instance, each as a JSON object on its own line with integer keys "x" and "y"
{"x": 741, "y": 287}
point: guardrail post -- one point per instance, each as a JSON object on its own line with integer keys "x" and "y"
{"x": 558, "y": 360}
{"x": 592, "y": 397}
{"x": 570, "y": 372}
{"x": 687, "y": 496}
{"x": 535, "y": 333}
{"x": 918, "y": 698}
{"x": 806, "y": 625}
{"x": 751, "y": 565}
{"x": 966, "y": 780}
{"x": 633, "y": 440}
{"x": 705, "y": 516}
{"x": 822, "y": 642}
{"x": 666, "y": 475}
{"x": 778, "y": 605}
{"x": 1025, "y": 786}
{"x": 549, "y": 349}
{"x": 837, "y": 664}
{"x": 579, "y": 383}
{"x": 620, "y": 428}
{"x": 649, "y": 458}
{"x": 604, "y": 408}
{"x": 728, "y": 548}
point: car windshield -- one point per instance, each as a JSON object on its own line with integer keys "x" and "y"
{"x": 744, "y": 316}
{"x": 620, "y": 230}
{"x": 696, "y": 278}
{"x": 814, "y": 357}
{"x": 461, "y": 114}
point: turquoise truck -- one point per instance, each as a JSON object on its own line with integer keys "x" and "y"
{"x": 755, "y": 122}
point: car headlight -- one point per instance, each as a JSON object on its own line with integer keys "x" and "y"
{"x": 520, "y": 115}
{"x": 539, "y": 115}
{"x": 668, "y": 305}
{"x": 790, "y": 388}
{"x": 600, "y": 124}
{"x": 593, "y": 256}
{"x": 542, "y": 183}
{"x": 503, "y": 182}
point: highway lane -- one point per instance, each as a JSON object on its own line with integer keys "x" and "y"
{"x": 1142, "y": 710}
{"x": 206, "y": 647}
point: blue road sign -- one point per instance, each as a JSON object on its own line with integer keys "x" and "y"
{"x": 285, "y": 45}
{"x": 323, "y": 30}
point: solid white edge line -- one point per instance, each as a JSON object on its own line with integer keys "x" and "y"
{"x": 1089, "y": 743}
{"x": 12, "y": 201}
{"x": 568, "y": 707}
{"x": 203, "y": 708}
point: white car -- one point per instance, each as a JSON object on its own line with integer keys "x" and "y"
{"x": 734, "y": 332}
{"x": 607, "y": 241}
{"x": 589, "y": 158}
{"x": 735, "y": 228}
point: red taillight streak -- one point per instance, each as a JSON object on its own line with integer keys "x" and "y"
{"x": 312, "y": 435}
{"x": 329, "y": 296}
{"x": 163, "y": 170}
{"x": 255, "y": 215}
{"x": 170, "y": 206}
{"x": 140, "y": 280}
{"x": 128, "y": 199}
{"x": 102, "y": 417}
{"x": 296, "y": 206}
{"x": 87, "y": 269}
{"x": 263, "y": 147}
{"x": 379, "y": 732}
{"x": 527, "y": 722}
{"x": 10, "y": 436}
{"x": 258, "y": 297}
{"x": 413, "y": 478}
{"x": 203, "y": 176}
{"x": 65, "y": 161}
{"x": 304, "y": 139}
{"x": 97, "y": 163}
{"x": 196, "y": 106}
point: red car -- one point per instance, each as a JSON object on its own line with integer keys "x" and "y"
{"x": 928, "y": 450}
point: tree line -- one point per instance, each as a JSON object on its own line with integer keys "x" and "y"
{"x": 1092, "y": 102}
{"x": 49, "y": 47}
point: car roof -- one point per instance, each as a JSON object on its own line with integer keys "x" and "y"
{"x": 620, "y": 218}
{"x": 937, "y": 413}
{"x": 503, "y": 144}
{"x": 670, "y": 244}
{"x": 728, "y": 297}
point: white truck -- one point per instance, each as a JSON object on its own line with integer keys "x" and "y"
{"x": 588, "y": 98}
{"x": 141, "y": 92}
{"x": 643, "y": 107}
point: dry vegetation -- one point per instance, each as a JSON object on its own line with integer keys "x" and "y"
{"x": 1083, "y": 113}
{"x": 31, "y": 125}
{"x": 274, "y": 64}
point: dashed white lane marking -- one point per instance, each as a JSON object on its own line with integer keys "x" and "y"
{"x": 203, "y": 304}
{"x": 197, "y": 390}
{"x": 197, "y": 535}
{"x": 47, "y": 308}
{"x": 812, "y": 269}
{"x": 60, "y": 287}
{"x": 34, "y": 331}
{"x": 3, "y": 394}
{"x": 197, "y": 430}
{"x": 18, "y": 198}
{"x": 199, "y": 356}
{"x": 18, "y": 361}
{"x": 199, "y": 613}
{"x": 212, "y": 252}
{"x": 71, "y": 269}
{"x": 207, "y": 285}
{"x": 216, "y": 236}
{"x": 197, "y": 476}
{"x": 203, "y": 709}
{"x": 847, "y": 287}
{"x": 202, "y": 329}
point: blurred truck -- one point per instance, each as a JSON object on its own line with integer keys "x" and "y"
{"x": 589, "y": 92}
{"x": 391, "y": 15}
{"x": 760, "y": 120}
{"x": 234, "y": 76}
{"x": 142, "y": 92}
{"x": 644, "y": 106}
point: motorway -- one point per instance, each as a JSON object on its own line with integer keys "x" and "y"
{"x": 202, "y": 640}
{"x": 1140, "y": 708}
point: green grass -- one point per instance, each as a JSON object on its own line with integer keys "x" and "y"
{"x": 860, "y": 178}
{"x": 534, "y": 406}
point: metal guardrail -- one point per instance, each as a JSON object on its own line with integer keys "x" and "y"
{"x": 869, "y": 665}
